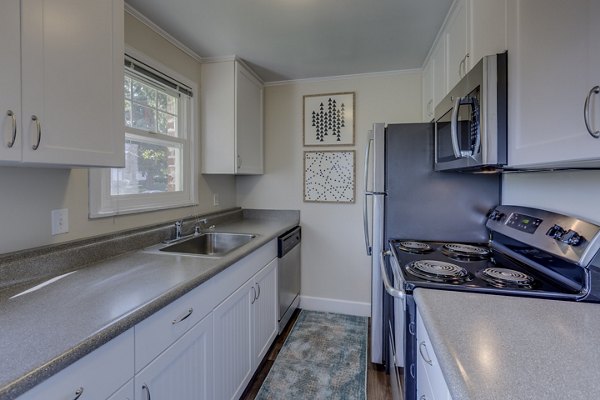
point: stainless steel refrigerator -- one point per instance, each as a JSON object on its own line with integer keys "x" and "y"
{"x": 406, "y": 199}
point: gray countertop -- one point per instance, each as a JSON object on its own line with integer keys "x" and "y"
{"x": 45, "y": 330}
{"x": 500, "y": 347}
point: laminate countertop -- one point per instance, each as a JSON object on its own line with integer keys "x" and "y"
{"x": 500, "y": 347}
{"x": 43, "y": 331}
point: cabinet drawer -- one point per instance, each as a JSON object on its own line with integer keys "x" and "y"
{"x": 159, "y": 331}
{"x": 98, "y": 375}
{"x": 427, "y": 362}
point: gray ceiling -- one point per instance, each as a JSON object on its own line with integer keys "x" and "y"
{"x": 295, "y": 39}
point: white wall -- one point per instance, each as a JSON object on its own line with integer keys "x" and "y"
{"x": 574, "y": 193}
{"x": 27, "y": 195}
{"x": 334, "y": 263}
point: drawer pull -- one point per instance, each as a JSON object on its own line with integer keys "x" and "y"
{"x": 146, "y": 389}
{"x": 78, "y": 393}
{"x": 253, "y": 295}
{"x": 11, "y": 114}
{"x": 258, "y": 286}
{"x": 183, "y": 316}
{"x": 423, "y": 348}
{"x": 586, "y": 112}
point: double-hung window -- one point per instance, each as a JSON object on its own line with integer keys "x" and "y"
{"x": 159, "y": 147}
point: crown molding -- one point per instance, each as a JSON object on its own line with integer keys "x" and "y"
{"x": 343, "y": 77}
{"x": 167, "y": 36}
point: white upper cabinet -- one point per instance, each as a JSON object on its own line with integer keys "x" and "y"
{"x": 70, "y": 82}
{"x": 553, "y": 65}
{"x": 473, "y": 29}
{"x": 458, "y": 43}
{"x": 232, "y": 119}
{"x": 10, "y": 82}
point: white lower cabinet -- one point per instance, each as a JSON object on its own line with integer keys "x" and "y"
{"x": 245, "y": 327}
{"x": 183, "y": 371}
{"x": 430, "y": 379}
{"x": 205, "y": 345}
{"x": 96, "y": 376}
{"x": 265, "y": 312}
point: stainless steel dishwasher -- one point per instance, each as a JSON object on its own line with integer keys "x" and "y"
{"x": 288, "y": 272}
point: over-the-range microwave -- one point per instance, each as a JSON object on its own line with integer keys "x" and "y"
{"x": 471, "y": 121}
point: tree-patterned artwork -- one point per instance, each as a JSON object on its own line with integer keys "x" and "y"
{"x": 329, "y": 119}
{"x": 329, "y": 176}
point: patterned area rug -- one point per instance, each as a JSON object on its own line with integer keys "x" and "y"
{"x": 324, "y": 357}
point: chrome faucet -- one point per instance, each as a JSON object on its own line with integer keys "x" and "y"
{"x": 197, "y": 228}
{"x": 178, "y": 226}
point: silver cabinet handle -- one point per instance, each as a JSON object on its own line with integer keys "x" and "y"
{"x": 367, "y": 194}
{"x": 146, "y": 389}
{"x": 254, "y": 295}
{"x": 239, "y": 161}
{"x": 38, "y": 127}
{"x": 183, "y": 317}
{"x": 586, "y": 112}
{"x": 386, "y": 281}
{"x": 12, "y": 115}
{"x": 423, "y": 397}
{"x": 258, "y": 286}
{"x": 78, "y": 393}
{"x": 423, "y": 348}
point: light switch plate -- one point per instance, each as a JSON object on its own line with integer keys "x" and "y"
{"x": 60, "y": 221}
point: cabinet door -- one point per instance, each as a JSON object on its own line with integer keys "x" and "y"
{"x": 488, "y": 29}
{"x": 72, "y": 82}
{"x": 10, "y": 81}
{"x": 265, "y": 311}
{"x": 248, "y": 122}
{"x": 457, "y": 43}
{"x": 440, "y": 87}
{"x": 184, "y": 371}
{"x": 233, "y": 343}
{"x": 552, "y": 66}
{"x": 428, "y": 74}
{"x": 95, "y": 376}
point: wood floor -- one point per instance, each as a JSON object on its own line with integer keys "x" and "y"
{"x": 378, "y": 387}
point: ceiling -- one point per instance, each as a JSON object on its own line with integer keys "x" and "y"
{"x": 297, "y": 39}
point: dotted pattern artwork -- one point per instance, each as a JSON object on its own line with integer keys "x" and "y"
{"x": 329, "y": 119}
{"x": 329, "y": 176}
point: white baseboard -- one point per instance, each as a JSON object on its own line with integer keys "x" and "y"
{"x": 336, "y": 306}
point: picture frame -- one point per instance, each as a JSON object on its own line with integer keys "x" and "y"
{"x": 328, "y": 119}
{"x": 329, "y": 176}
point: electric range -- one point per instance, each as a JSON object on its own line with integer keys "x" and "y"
{"x": 531, "y": 253}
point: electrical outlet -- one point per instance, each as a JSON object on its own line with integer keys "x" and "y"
{"x": 216, "y": 199}
{"x": 60, "y": 221}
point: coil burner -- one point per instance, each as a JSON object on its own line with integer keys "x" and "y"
{"x": 507, "y": 278}
{"x": 438, "y": 271}
{"x": 465, "y": 251}
{"x": 411, "y": 246}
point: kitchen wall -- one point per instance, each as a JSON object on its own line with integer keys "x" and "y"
{"x": 29, "y": 194}
{"x": 335, "y": 268}
{"x": 568, "y": 192}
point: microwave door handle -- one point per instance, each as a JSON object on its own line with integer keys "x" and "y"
{"x": 368, "y": 245}
{"x": 454, "y": 128}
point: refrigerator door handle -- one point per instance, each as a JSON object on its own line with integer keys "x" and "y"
{"x": 368, "y": 245}
{"x": 386, "y": 281}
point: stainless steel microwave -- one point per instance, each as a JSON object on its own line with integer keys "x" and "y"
{"x": 471, "y": 121}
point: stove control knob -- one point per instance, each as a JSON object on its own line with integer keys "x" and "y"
{"x": 571, "y": 238}
{"x": 556, "y": 232}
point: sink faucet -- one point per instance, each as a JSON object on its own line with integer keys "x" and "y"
{"x": 197, "y": 228}
{"x": 178, "y": 226}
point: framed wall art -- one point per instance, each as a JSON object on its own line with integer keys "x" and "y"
{"x": 329, "y": 176}
{"x": 329, "y": 119}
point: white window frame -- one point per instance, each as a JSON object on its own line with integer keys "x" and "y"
{"x": 103, "y": 204}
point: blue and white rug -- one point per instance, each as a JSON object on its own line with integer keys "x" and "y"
{"x": 324, "y": 357}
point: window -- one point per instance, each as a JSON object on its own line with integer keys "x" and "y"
{"x": 159, "y": 146}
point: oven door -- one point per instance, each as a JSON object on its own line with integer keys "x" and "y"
{"x": 458, "y": 134}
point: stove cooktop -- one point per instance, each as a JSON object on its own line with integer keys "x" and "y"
{"x": 471, "y": 267}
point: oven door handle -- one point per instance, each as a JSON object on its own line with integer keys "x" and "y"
{"x": 386, "y": 281}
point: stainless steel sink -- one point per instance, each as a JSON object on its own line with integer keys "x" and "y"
{"x": 210, "y": 244}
